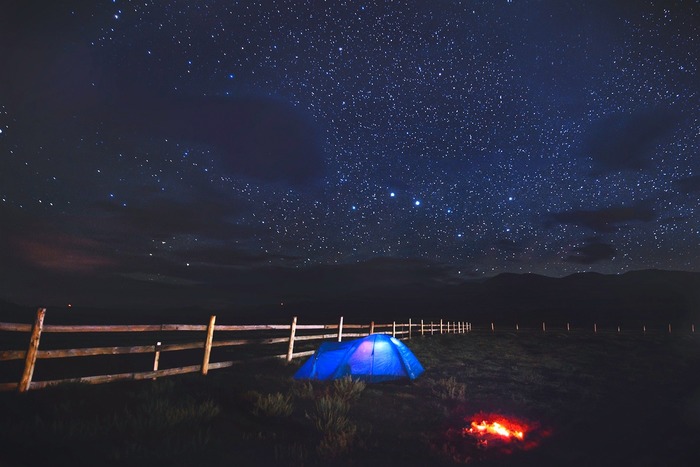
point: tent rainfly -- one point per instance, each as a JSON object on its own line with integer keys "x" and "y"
{"x": 373, "y": 359}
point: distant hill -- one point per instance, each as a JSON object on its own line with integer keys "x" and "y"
{"x": 649, "y": 296}
{"x": 633, "y": 297}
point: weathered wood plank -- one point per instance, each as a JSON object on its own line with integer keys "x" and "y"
{"x": 30, "y": 359}
{"x": 100, "y": 379}
{"x": 102, "y": 328}
{"x": 207, "y": 345}
{"x": 15, "y": 327}
{"x": 12, "y": 355}
{"x": 292, "y": 334}
{"x": 252, "y": 327}
{"x": 355, "y": 326}
{"x": 183, "y": 327}
{"x": 311, "y": 326}
{"x": 228, "y": 343}
{"x": 8, "y": 386}
{"x": 316, "y": 337}
{"x": 92, "y": 351}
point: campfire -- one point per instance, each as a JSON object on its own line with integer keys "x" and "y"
{"x": 484, "y": 436}
{"x": 496, "y": 429}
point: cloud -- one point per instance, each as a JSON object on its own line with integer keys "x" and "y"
{"x": 605, "y": 220}
{"x": 60, "y": 89}
{"x": 28, "y": 245}
{"x": 627, "y": 141}
{"x": 160, "y": 218}
{"x": 689, "y": 184}
{"x": 593, "y": 252}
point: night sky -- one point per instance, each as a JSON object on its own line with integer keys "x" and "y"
{"x": 221, "y": 152}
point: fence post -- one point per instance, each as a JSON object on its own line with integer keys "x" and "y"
{"x": 669, "y": 328}
{"x": 544, "y": 327}
{"x": 568, "y": 328}
{"x": 371, "y": 327}
{"x": 393, "y": 329}
{"x": 340, "y": 330}
{"x": 30, "y": 359}
{"x": 493, "y": 328}
{"x": 432, "y": 329}
{"x": 595, "y": 328}
{"x": 410, "y": 326}
{"x": 290, "y": 349}
{"x": 207, "y": 344}
{"x": 440, "y": 325}
{"x": 156, "y": 357}
{"x": 422, "y": 329}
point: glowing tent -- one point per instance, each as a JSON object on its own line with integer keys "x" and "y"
{"x": 373, "y": 359}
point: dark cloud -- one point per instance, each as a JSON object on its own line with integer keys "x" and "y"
{"x": 593, "y": 252}
{"x": 627, "y": 141}
{"x": 689, "y": 184}
{"x": 61, "y": 89}
{"x": 162, "y": 217}
{"x": 605, "y": 220}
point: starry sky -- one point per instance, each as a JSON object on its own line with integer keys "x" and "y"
{"x": 217, "y": 152}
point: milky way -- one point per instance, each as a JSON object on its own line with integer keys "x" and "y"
{"x": 168, "y": 141}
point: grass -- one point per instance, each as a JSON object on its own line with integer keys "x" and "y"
{"x": 606, "y": 399}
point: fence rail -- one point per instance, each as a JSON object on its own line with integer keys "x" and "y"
{"x": 246, "y": 335}
{"x": 294, "y": 332}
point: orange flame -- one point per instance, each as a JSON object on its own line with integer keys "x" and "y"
{"x": 504, "y": 429}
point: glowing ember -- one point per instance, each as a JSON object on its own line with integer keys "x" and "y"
{"x": 484, "y": 436}
{"x": 496, "y": 430}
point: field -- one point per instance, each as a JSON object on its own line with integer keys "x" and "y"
{"x": 591, "y": 399}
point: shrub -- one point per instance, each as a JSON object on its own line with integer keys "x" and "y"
{"x": 348, "y": 389}
{"x": 449, "y": 388}
{"x": 302, "y": 390}
{"x": 337, "y": 431}
{"x": 273, "y": 405}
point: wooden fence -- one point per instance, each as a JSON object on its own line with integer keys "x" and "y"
{"x": 265, "y": 334}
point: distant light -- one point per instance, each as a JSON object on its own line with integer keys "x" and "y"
{"x": 417, "y": 203}
{"x": 354, "y": 208}
{"x": 70, "y": 305}
{"x": 510, "y": 198}
{"x": 231, "y": 76}
{"x": 392, "y": 194}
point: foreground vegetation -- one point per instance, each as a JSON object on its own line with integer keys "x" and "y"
{"x": 601, "y": 399}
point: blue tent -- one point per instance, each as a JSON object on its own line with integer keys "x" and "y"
{"x": 373, "y": 359}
